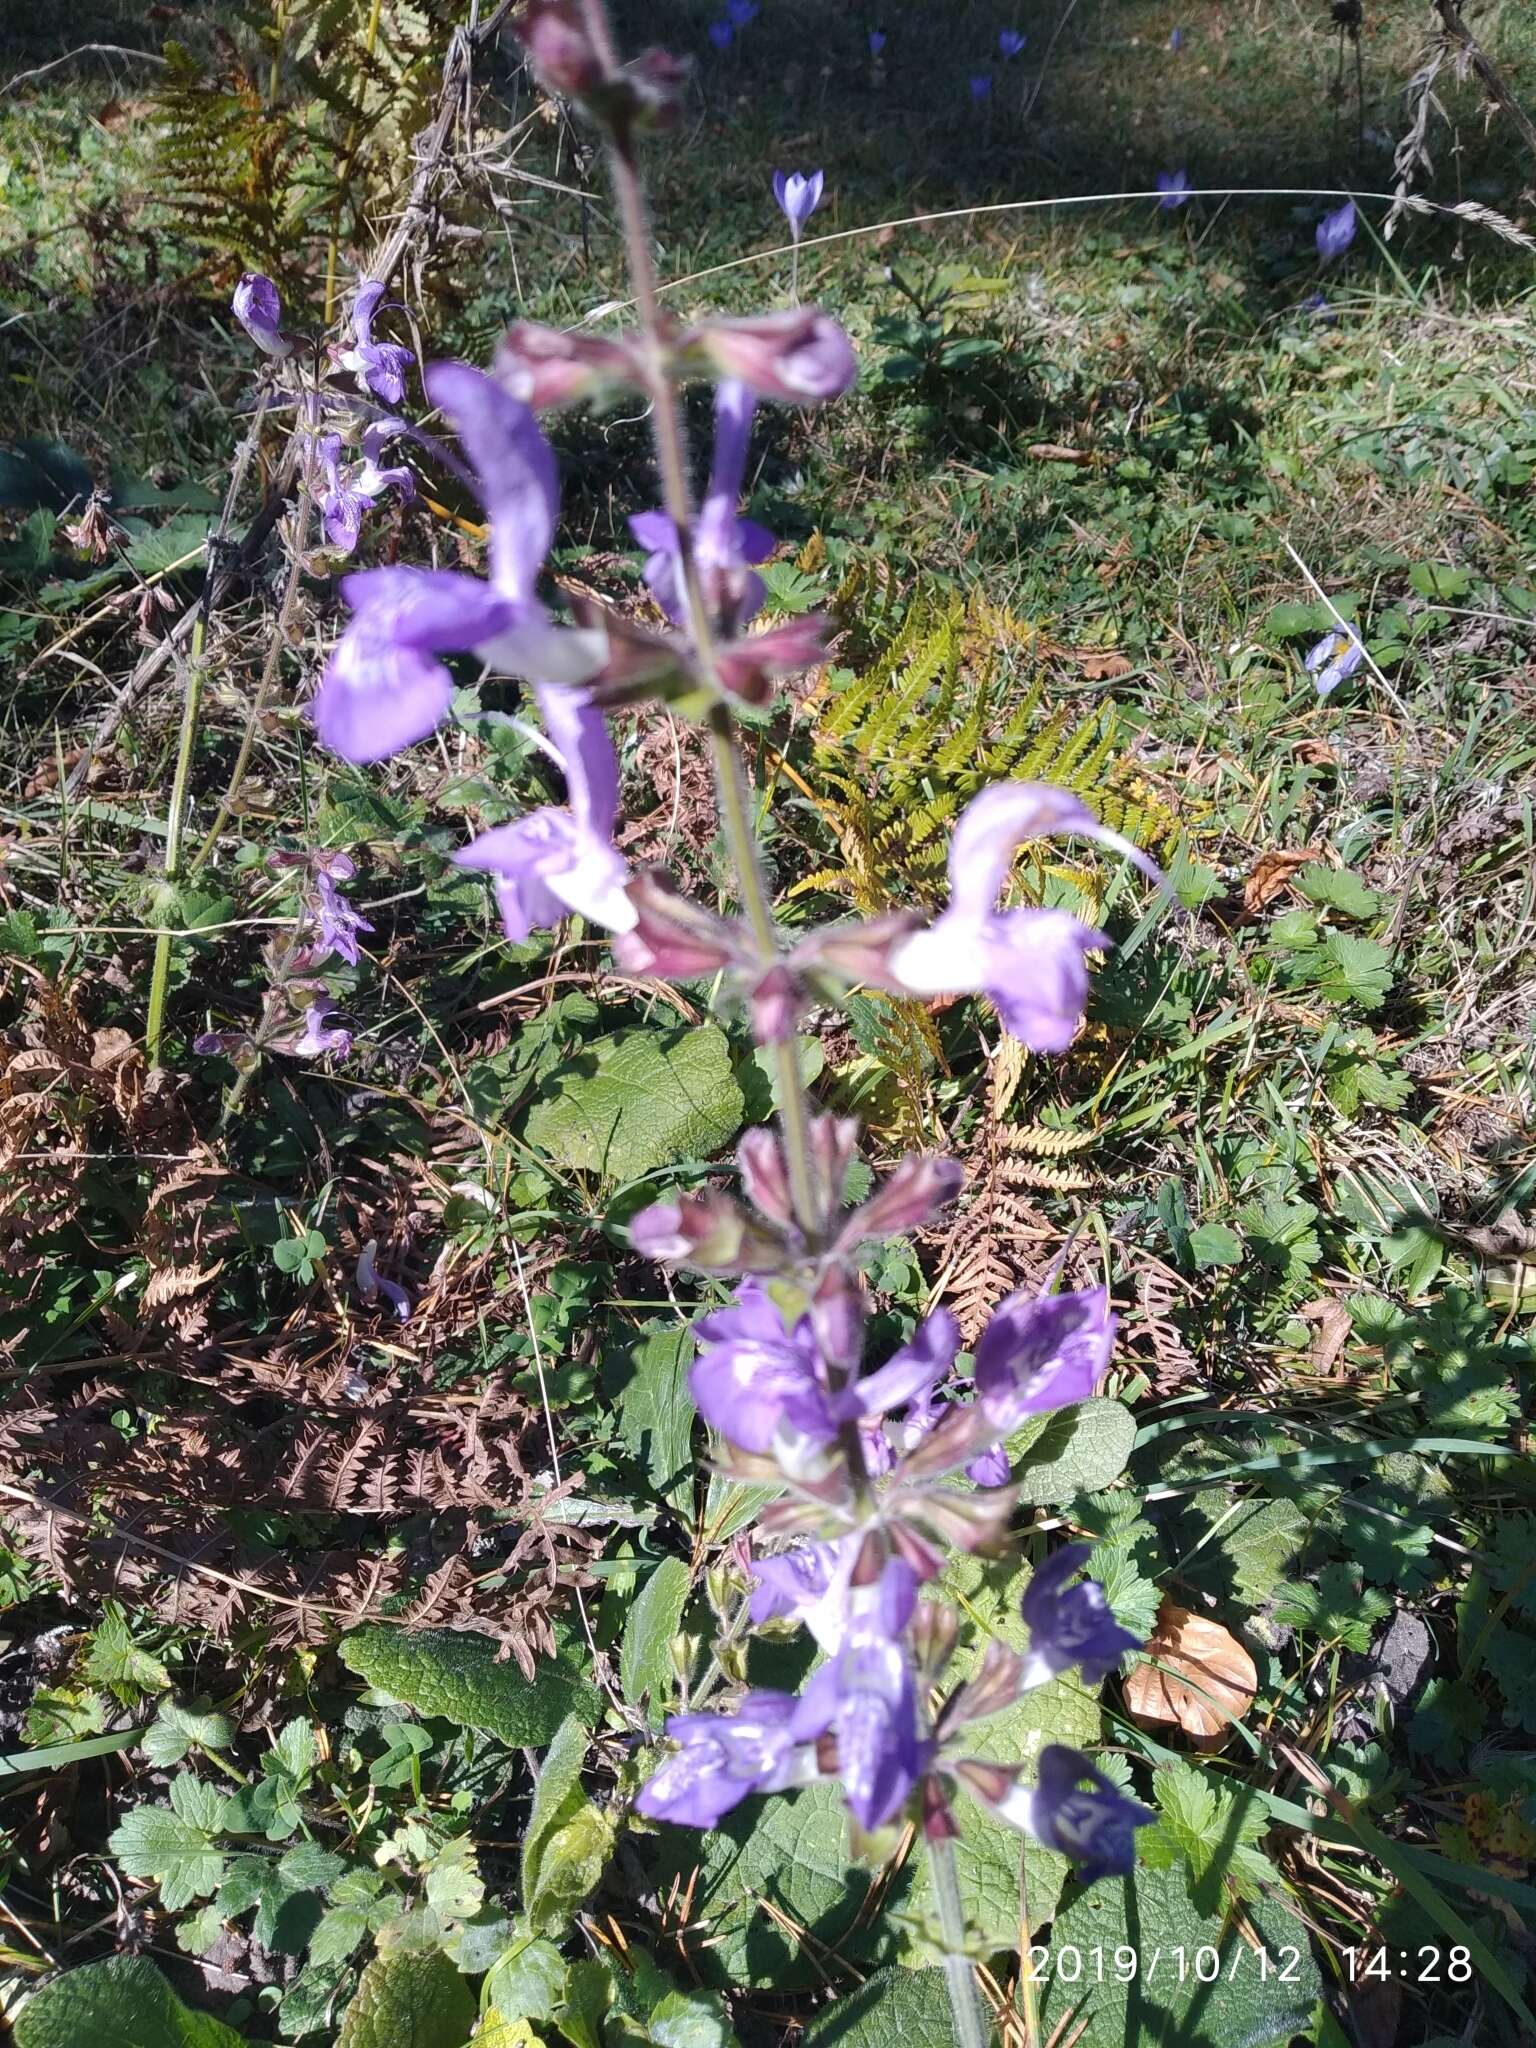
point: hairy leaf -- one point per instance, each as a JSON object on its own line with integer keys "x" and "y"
{"x": 121, "y": 2003}
{"x": 455, "y": 1674}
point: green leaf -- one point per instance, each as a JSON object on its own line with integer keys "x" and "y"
{"x": 588, "y": 1995}
{"x": 1214, "y": 1244}
{"x": 892, "y": 2009}
{"x": 174, "y": 1845}
{"x": 1210, "y": 1827}
{"x": 572, "y": 1859}
{"x": 639, "y": 1100}
{"x": 1357, "y": 970}
{"x": 455, "y": 1674}
{"x": 527, "y": 1983}
{"x": 121, "y": 2003}
{"x": 645, "y": 1659}
{"x": 789, "y": 1849}
{"x": 410, "y": 1998}
{"x": 1260, "y": 1998}
{"x": 1440, "y": 579}
{"x": 1074, "y": 1450}
{"x": 116, "y": 1661}
{"x": 690, "y": 2019}
{"x": 1334, "y": 1609}
{"x": 177, "y": 1728}
{"x": 1338, "y": 889}
{"x": 557, "y": 1794}
{"x": 647, "y": 1379}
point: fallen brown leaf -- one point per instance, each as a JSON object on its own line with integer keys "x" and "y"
{"x": 1055, "y": 451}
{"x": 1198, "y": 1678}
{"x": 1333, "y": 1330}
{"x": 1099, "y": 665}
{"x": 1271, "y": 875}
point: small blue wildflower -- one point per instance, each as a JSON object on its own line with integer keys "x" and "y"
{"x": 721, "y": 34}
{"x": 1335, "y": 231}
{"x": 1010, "y": 41}
{"x": 1335, "y": 659}
{"x": 981, "y": 87}
{"x": 1174, "y": 186}
{"x": 877, "y": 41}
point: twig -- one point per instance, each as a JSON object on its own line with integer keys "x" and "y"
{"x": 85, "y": 50}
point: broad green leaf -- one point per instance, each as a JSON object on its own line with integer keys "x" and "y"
{"x": 1075, "y": 1450}
{"x": 457, "y": 1675}
{"x": 572, "y": 1860}
{"x": 526, "y": 1983}
{"x": 557, "y": 1794}
{"x": 645, "y": 1658}
{"x": 1338, "y": 889}
{"x": 647, "y": 1379}
{"x": 893, "y": 2009}
{"x": 410, "y": 1998}
{"x": 496, "y": 2032}
{"x": 178, "y": 1728}
{"x": 1356, "y": 970}
{"x": 1258, "y": 1997}
{"x": 690, "y": 2019}
{"x": 121, "y": 2003}
{"x": 788, "y": 1850}
{"x": 174, "y": 1845}
{"x": 1210, "y": 1827}
{"x": 639, "y": 1100}
{"x": 1440, "y": 579}
{"x": 1215, "y": 1244}
{"x": 588, "y": 1995}
{"x": 116, "y": 1661}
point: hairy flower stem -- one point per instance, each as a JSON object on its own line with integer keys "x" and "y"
{"x": 971, "y": 2029}
{"x": 736, "y": 822}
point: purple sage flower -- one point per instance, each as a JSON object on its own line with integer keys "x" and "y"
{"x": 556, "y": 860}
{"x": 724, "y": 544}
{"x": 1335, "y": 659}
{"x": 337, "y": 922}
{"x": 1335, "y": 231}
{"x": 798, "y": 196}
{"x": 721, "y": 34}
{"x": 753, "y": 1380}
{"x": 372, "y": 1286}
{"x": 1031, "y": 963}
{"x": 867, "y": 1694}
{"x": 981, "y": 87}
{"x": 1070, "y": 1625}
{"x": 318, "y": 1036}
{"x": 1174, "y": 186}
{"x": 341, "y": 505}
{"x": 259, "y": 310}
{"x": 379, "y": 366}
{"x": 1041, "y": 1352}
{"x": 1095, "y": 1828}
{"x": 724, "y": 1758}
{"x": 374, "y": 477}
{"x": 809, "y": 1585}
{"x": 1011, "y": 41}
{"x": 385, "y": 686}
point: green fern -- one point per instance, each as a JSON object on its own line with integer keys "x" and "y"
{"x": 901, "y": 746}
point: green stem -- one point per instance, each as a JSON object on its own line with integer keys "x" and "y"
{"x": 160, "y": 971}
{"x": 971, "y": 2028}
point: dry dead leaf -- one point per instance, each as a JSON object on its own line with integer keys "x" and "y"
{"x": 1506, "y": 1237}
{"x": 1099, "y": 665}
{"x": 1271, "y": 875}
{"x": 1333, "y": 1330}
{"x": 1056, "y": 451}
{"x": 1198, "y": 1678}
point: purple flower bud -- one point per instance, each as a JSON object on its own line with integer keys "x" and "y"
{"x": 799, "y": 196}
{"x": 800, "y": 357}
{"x": 1316, "y": 303}
{"x": 1010, "y": 41}
{"x": 371, "y": 1284}
{"x": 546, "y": 366}
{"x": 834, "y": 1140}
{"x": 765, "y": 1176}
{"x": 1335, "y": 231}
{"x": 1335, "y": 659}
{"x": 749, "y": 667}
{"x": 991, "y": 1468}
{"x": 672, "y": 938}
{"x": 560, "y": 49}
{"x": 707, "y": 1231}
{"x": 722, "y": 35}
{"x": 1041, "y": 1352}
{"x": 981, "y": 87}
{"x": 742, "y": 13}
{"x": 838, "y": 1308}
{"x": 912, "y": 1196}
{"x": 776, "y": 1000}
{"x": 877, "y": 41}
{"x": 1174, "y": 186}
{"x": 1070, "y": 1625}
{"x": 1176, "y": 39}
{"x": 259, "y": 310}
